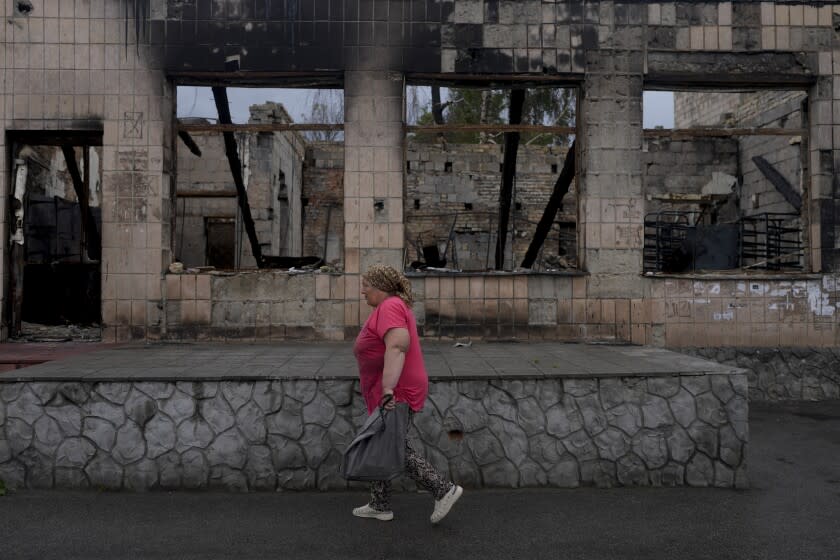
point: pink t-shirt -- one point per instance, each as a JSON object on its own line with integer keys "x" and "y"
{"x": 413, "y": 385}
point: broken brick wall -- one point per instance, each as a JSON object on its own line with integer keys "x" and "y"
{"x": 323, "y": 192}
{"x": 461, "y": 179}
{"x": 674, "y": 167}
{"x": 784, "y": 110}
{"x": 207, "y": 191}
{"x": 757, "y": 109}
{"x": 275, "y": 176}
{"x": 458, "y": 185}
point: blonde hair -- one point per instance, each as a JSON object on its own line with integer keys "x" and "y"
{"x": 388, "y": 279}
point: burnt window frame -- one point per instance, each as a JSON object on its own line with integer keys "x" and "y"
{"x": 249, "y": 80}
{"x": 508, "y": 82}
{"x": 722, "y": 131}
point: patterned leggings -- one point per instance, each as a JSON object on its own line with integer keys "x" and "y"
{"x": 420, "y": 470}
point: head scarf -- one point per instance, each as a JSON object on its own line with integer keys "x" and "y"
{"x": 386, "y": 278}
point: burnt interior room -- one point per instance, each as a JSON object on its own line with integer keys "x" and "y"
{"x": 260, "y": 175}
{"x": 55, "y": 235}
{"x": 724, "y": 188}
{"x": 490, "y": 175}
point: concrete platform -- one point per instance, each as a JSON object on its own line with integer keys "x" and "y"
{"x": 278, "y": 417}
{"x": 224, "y": 362}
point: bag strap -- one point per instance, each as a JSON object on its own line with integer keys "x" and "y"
{"x": 382, "y": 410}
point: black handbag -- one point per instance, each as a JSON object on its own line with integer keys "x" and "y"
{"x": 378, "y": 450}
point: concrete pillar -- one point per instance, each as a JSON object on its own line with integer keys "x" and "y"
{"x": 612, "y": 208}
{"x": 824, "y": 162}
{"x": 136, "y": 204}
{"x": 373, "y": 179}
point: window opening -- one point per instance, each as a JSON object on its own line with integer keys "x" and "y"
{"x": 725, "y": 176}
{"x": 253, "y": 157}
{"x": 483, "y": 161}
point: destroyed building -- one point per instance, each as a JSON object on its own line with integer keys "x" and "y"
{"x": 720, "y": 231}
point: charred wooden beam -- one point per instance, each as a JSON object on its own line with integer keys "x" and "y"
{"x": 257, "y": 78}
{"x": 93, "y": 243}
{"x": 206, "y": 194}
{"x": 493, "y": 80}
{"x": 492, "y": 128}
{"x": 517, "y": 101}
{"x": 561, "y": 188}
{"x": 57, "y": 137}
{"x": 684, "y": 133}
{"x": 189, "y": 142}
{"x": 779, "y": 181}
{"x": 253, "y": 127}
{"x": 221, "y": 99}
{"x": 437, "y": 106}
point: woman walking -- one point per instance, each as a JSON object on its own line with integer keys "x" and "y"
{"x": 391, "y": 363}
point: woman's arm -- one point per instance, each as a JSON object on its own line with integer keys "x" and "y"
{"x": 396, "y": 345}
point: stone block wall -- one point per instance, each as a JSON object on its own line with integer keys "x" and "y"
{"x": 674, "y": 312}
{"x": 434, "y": 195}
{"x": 777, "y": 109}
{"x": 273, "y": 175}
{"x": 459, "y": 183}
{"x": 289, "y": 434}
{"x": 744, "y": 312}
{"x": 255, "y": 305}
{"x": 685, "y": 167}
{"x": 323, "y": 190}
{"x": 694, "y": 109}
{"x": 780, "y": 374}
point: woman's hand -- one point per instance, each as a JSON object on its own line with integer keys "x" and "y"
{"x": 390, "y": 404}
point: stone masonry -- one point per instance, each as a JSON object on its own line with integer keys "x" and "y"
{"x": 779, "y": 109}
{"x": 290, "y": 433}
{"x": 780, "y": 374}
{"x": 273, "y": 175}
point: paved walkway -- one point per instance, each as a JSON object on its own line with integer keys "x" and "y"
{"x": 335, "y": 360}
{"x": 790, "y": 512}
{"x": 16, "y": 355}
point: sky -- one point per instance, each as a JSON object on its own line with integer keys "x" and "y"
{"x": 198, "y": 101}
{"x": 658, "y": 107}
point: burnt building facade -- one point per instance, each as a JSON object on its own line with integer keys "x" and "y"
{"x": 100, "y": 76}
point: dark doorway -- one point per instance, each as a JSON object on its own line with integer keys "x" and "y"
{"x": 55, "y": 230}
{"x": 221, "y": 242}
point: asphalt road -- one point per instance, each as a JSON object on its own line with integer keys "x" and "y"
{"x": 791, "y": 511}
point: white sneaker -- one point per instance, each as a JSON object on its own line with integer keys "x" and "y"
{"x": 443, "y": 505}
{"x": 370, "y": 513}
